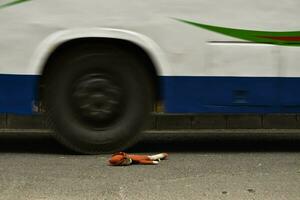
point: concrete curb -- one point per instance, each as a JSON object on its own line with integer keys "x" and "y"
{"x": 159, "y": 121}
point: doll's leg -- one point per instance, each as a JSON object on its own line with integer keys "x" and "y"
{"x": 138, "y": 157}
{"x": 160, "y": 156}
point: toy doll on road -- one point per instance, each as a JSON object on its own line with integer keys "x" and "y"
{"x": 121, "y": 159}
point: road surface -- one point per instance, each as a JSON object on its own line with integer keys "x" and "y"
{"x": 33, "y": 166}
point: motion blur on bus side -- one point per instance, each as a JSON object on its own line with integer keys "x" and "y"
{"x": 97, "y": 69}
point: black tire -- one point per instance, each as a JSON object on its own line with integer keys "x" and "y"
{"x": 97, "y": 97}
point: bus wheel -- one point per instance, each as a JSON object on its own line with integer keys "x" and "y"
{"x": 97, "y": 98}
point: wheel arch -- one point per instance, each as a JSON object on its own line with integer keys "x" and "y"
{"x": 142, "y": 45}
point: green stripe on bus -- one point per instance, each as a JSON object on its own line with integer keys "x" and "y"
{"x": 288, "y": 38}
{"x": 12, "y": 3}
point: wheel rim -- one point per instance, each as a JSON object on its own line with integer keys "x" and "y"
{"x": 97, "y": 99}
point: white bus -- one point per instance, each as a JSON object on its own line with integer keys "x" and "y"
{"x": 97, "y": 67}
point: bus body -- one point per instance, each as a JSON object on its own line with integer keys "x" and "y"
{"x": 234, "y": 56}
{"x": 201, "y": 71}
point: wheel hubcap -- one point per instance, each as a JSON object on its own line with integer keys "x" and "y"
{"x": 96, "y": 98}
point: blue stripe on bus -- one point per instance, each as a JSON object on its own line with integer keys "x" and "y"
{"x": 184, "y": 94}
{"x": 17, "y": 93}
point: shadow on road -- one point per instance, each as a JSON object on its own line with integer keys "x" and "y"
{"x": 218, "y": 143}
{"x": 166, "y": 142}
{"x": 30, "y": 143}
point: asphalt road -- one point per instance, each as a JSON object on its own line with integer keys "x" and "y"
{"x": 34, "y": 166}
